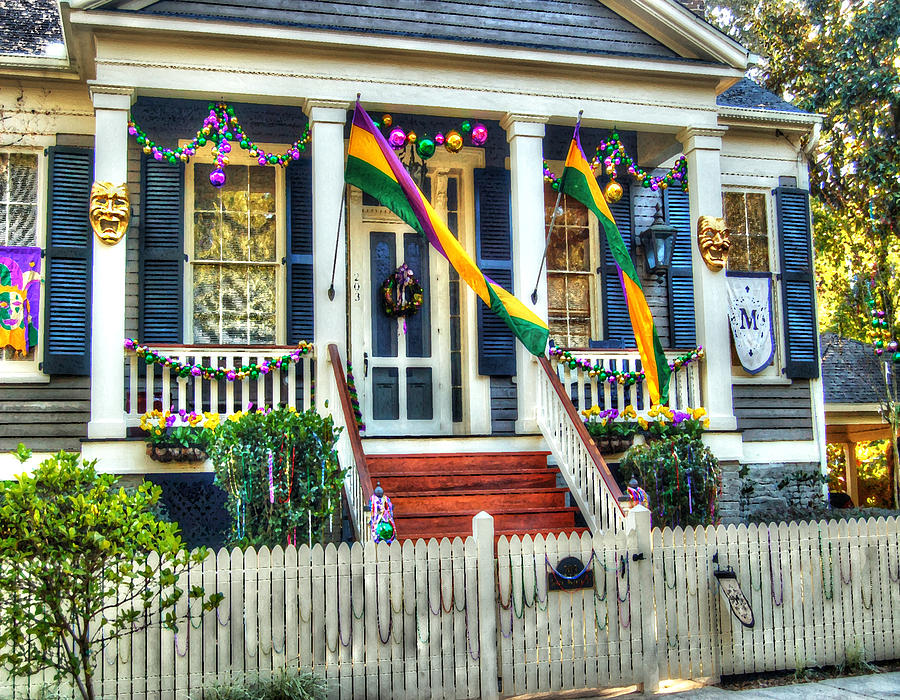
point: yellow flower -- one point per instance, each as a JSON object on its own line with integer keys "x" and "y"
{"x": 706, "y": 423}
{"x": 642, "y": 422}
{"x": 604, "y": 421}
{"x": 595, "y": 410}
{"x": 586, "y": 412}
{"x": 212, "y": 420}
{"x": 195, "y": 419}
{"x": 235, "y": 417}
{"x": 698, "y": 413}
{"x": 654, "y": 411}
{"x": 667, "y": 412}
{"x": 629, "y": 412}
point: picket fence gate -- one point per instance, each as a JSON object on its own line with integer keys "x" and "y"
{"x": 468, "y": 619}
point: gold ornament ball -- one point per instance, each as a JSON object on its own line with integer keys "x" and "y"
{"x": 387, "y": 120}
{"x": 411, "y": 137}
{"x": 613, "y": 192}
{"x": 453, "y": 142}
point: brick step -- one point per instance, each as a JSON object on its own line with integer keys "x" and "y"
{"x": 503, "y": 533}
{"x": 520, "y": 520}
{"x": 472, "y": 501}
{"x": 443, "y": 463}
{"x": 414, "y": 482}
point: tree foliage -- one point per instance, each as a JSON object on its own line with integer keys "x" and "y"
{"x": 82, "y": 561}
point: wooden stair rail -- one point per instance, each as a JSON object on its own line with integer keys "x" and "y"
{"x": 358, "y": 483}
{"x": 578, "y": 457}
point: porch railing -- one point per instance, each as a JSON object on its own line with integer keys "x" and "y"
{"x": 357, "y": 483}
{"x": 586, "y": 473}
{"x": 156, "y": 386}
{"x": 586, "y": 391}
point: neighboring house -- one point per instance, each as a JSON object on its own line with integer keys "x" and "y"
{"x": 667, "y": 81}
{"x": 853, "y": 380}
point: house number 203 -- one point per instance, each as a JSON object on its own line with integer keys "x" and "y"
{"x": 356, "y": 287}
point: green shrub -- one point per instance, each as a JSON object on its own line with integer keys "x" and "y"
{"x": 281, "y": 474}
{"x": 681, "y": 477}
{"x": 284, "y": 685}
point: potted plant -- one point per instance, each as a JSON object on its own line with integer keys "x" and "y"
{"x": 178, "y": 437}
{"x": 663, "y": 422}
{"x": 612, "y": 432}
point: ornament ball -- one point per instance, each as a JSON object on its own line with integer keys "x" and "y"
{"x": 613, "y": 192}
{"x": 453, "y": 142}
{"x": 397, "y": 138}
{"x": 479, "y": 134}
{"x": 425, "y": 148}
{"x": 387, "y": 120}
{"x": 217, "y": 177}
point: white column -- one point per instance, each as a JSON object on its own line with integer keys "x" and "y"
{"x": 702, "y": 147}
{"x": 111, "y": 107}
{"x": 326, "y": 121}
{"x": 525, "y": 134}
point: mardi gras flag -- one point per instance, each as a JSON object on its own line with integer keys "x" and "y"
{"x": 375, "y": 169}
{"x": 578, "y": 181}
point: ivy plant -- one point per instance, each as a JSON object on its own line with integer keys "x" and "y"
{"x": 83, "y": 561}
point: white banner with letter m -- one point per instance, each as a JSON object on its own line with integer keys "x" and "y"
{"x": 750, "y": 314}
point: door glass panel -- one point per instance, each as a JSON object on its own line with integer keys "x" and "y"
{"x": 383, "y": 261}
{"x": 419, "y": 401}
{"x": 385, "y": 393}
{"x": 418, "y": 326}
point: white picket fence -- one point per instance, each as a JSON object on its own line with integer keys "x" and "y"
{"x": 466, "y": 619}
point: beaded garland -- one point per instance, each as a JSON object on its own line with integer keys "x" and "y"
{"x": 354, "y": 398}
{"x": 403, "y": 295}
{"x": 880, "y": 333}
{"x": 425, "y": 145}
{"x": 595, "y": 369}
{"x": 220, "y": 128}
{"x": 612, "y": 154}
{"x": 249, "y": 371}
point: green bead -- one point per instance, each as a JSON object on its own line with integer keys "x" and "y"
{"x": 466, "y": 126}
{"x": 230, "y": 111}
{"x": 879, "y": 343}
{"x": 273, "y": 159}
{"x": 896, "y": 357}
{"x": 201, "y": 141}
{"x": 245, "y": 144}
{"x": 229, "y": 135}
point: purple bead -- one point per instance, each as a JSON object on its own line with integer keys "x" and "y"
{"x": 157, "y": 155}
{"x": 261, "y": 160}
{"x": 217, "y": 177}
{"x": 132, "y": 131}
{"x": 225, "y": 147}
{"x": 397, "y": 137}
{"x": 479, "y": 134}
{"x": 195, "y": 371}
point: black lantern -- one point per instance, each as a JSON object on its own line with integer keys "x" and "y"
{"x": 659, "y": 243}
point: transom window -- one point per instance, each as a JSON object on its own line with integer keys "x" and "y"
{"x": 746, "y": 215}
{"x": 570, "y": 275}
{"x": 18, "y": 199}
{"x": 235, "y": 264}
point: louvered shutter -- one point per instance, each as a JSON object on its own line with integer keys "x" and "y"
{"x": 798, "y": 297}
{"x": 616, "y": 321}
{"x": 496, "y": 343}
{"x": 162, "y": 252}
{"x": 682, "y": 325}
{"x": 67, "y": 342}
{"x": 300, "y": 324}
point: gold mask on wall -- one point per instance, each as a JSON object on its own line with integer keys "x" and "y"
{"x": 714, "y": 240}
{"x": 109, "y": 211}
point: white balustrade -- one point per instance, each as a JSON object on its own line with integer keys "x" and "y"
{"x": 157, "y": 386}
{"x": 586, "y": 391}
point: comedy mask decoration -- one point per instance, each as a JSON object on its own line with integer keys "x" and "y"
{"x": 20, "y": 297}
{"x": 109, "y": 211}
{"x": 714, "y": 240}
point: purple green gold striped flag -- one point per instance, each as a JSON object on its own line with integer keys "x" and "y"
{"x": 578, "y": 181}
{"x": 375, "y": 169}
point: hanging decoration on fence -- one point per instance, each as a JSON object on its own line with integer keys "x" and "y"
{"x": 382, "y": 514}
{"x": 354, "y": 398}
{"x": 750, "y": 316}
{"x": 570, "y": 574}
{"x": 611, "y": 154}
{"x": 731, "y": 589}
{"x": 220, "y": 129}
{"x": 248, "y": 371}
{"x": 594, "y": 367}
{"x": 402, "y": 294}
{"x": 21, "y": 280}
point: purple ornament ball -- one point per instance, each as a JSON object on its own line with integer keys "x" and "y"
{"x": 479, "y": 134}
{"x": 397, "y": 137}
{"x": 439, "y": 139}
{"x": 217, "y": 177}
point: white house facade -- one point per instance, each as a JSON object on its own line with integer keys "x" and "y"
{"x": 283, "y": 254}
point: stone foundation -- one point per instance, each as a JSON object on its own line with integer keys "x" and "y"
{"x": 767, "y": 490}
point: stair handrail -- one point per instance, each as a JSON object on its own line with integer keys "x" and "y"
{"x": 587, "y": 474}
{"x": 358, "y": 487}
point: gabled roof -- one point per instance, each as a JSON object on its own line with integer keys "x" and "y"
{"x": 751, "y": 95}
{"x": 660, "y": 29}
{"x": 850, "y": 371}
{"x": 31, "y": 28}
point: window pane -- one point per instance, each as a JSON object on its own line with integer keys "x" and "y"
{"x": 235, "y": 237}
{"x": 206, "y": 197}
{"x": 576, "y": 213}
{"x": 23, "y": 178}
{"x": 759, "y": 254}
{"x": 739, "y": 254}
{"x": 262, "y": 237}
{"x": 579, "y": 250}
{"x": 734, "y": 212}
{"x": 756, "y": 214}
{"x": 22, "y": 224}
{"x": 261, "y": 289}
{"x": 556, "y": 251}
{"x": 4, "y": 177}
{"x": 579, "y": 332}
{"x": 578, "y": 294}
{"x": 262, "y": 189}
{"x": 556, "y": 293}
{"x": 235, "y": 195}
{"x": 206, "y": 288}
{"x": 207, "y": 245}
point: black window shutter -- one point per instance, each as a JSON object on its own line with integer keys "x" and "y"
{"x": 67, "y": 303}
{"x": 682, "y": 325}
{"x": 798, "y": 298}
{"x": 616, "y": 321}
{"x": 162, "y": 252}
{"x": 496, "y": 343}
{"x": 299, "y": 252}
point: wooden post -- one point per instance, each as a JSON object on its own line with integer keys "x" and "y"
{"x": 483, "y": 532}
{"x": 637, "y": 529}
{"x": 852, "y": 471}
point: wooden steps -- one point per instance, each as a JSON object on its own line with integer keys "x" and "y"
{"x": 436, "y": 495}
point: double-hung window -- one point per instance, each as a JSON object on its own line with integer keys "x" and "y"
{"x": 235, "y": 247}
{"x": 21, "y": 173}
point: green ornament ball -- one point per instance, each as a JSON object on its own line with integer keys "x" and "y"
{"x": 201, "y": 141}
{"x": 229, "y": 136}
{"x": 466, "y": 126}
{"x": 896, "y": 357}
{"x": 384, "y": 531}
{"x": 425, "y": 147}
{"x": 245, "y": 144}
